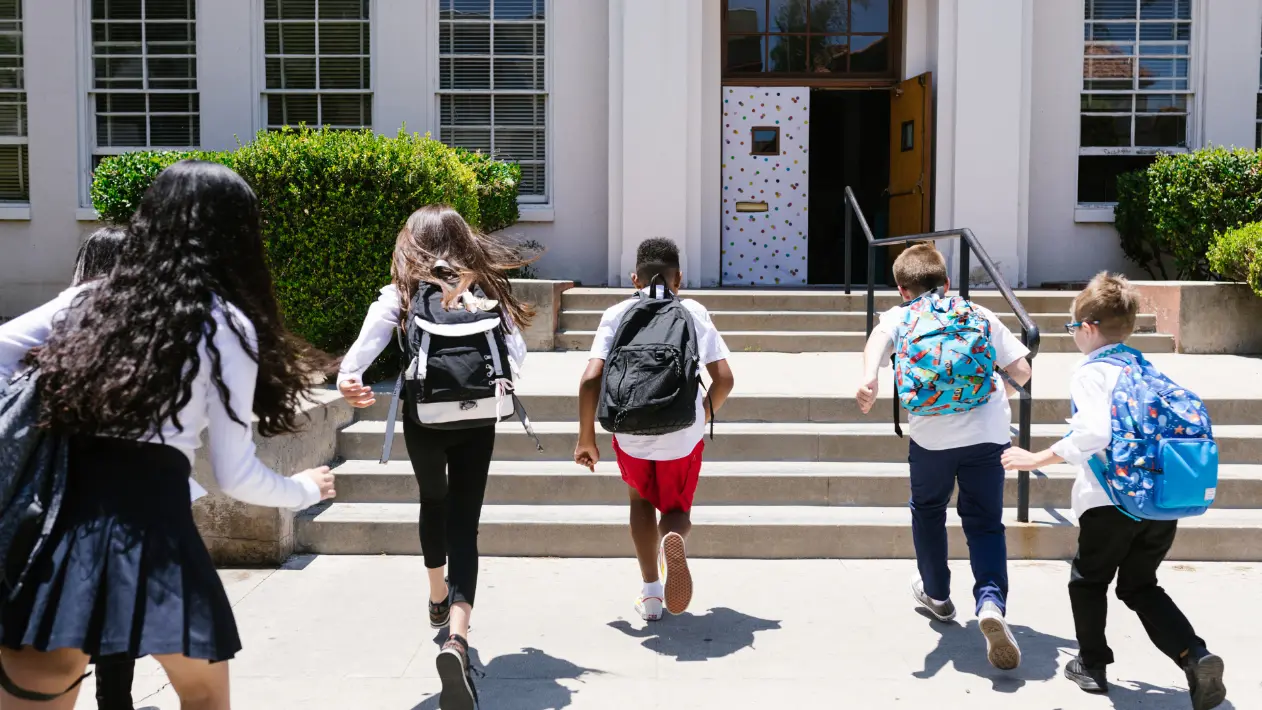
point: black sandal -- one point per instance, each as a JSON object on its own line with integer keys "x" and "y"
{"x": 440, "y": 612}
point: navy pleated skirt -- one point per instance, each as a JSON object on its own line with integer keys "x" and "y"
{"x": 125, "y": 571}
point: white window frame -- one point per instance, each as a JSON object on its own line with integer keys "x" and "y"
{"x": 24, "y": 139}
{"x": 534, "y": 208}
{"x": 1103, "y": 211}
{"x": 260, "y": 73}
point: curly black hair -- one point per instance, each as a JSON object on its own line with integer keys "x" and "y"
{"x": 124, "y": 359}
{"x": 655, "y": 256}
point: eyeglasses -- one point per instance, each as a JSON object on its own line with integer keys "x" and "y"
{"x": 1071, "y": 328}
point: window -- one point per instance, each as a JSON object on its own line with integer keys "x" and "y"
{"x": 144, "y": 75}
{"x": 492, "y": 84}
{"x": 809, "y": 37}
{"x": 318, "y": 63}
{"x": 764, "y": 140}
{"x": 14, "y": 183}
{"x": 1137, "y": 93}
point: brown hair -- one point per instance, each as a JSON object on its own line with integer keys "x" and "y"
{"x": 1111, "y": 300}
{"x": 920, "y": 269}
{"x": 438, "y": 232}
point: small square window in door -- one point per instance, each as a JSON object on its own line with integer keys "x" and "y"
{"x": 907, "y": 139}
{"x": 764, "y": 140}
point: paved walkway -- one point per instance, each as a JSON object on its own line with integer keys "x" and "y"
{"x": 349, "y": 633}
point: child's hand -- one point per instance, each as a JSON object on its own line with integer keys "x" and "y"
{"x": 323, "y": 480}
{"x": 866, "y": 395}
{"x": 587, "y": 454}
{"x": 1015, "y": 459}
{"x": 356, "y": 393}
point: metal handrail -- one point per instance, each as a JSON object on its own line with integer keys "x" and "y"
{"x": 1029, "y": 330}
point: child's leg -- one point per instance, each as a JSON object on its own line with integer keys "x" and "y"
{"x": 1137, "y": 587}
{"x": 981, "y": 476}
{"x": 644, "y": 534}
{"x": 1104, "y": 538}
{"x": 932, "y": 480}
{"x": 427, "y": 450}
{"x": 676, "y": 486}
{"x": 113, "y": 682}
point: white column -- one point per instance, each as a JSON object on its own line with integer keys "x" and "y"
{"x": 1229, "y": 87}
{"x": 229, "y": 59}
{"x": 404, "y": 63}
{"x": 984, "y": 124}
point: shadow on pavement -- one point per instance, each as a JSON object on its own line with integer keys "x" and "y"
{"x": 966, "y": 648}
{"x": 1137, "y": 695}
{"x": 717, "y": 633}
{"x": 533, "y": 681}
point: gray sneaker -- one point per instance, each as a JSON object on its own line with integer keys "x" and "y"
{"x": 942, "y": 611}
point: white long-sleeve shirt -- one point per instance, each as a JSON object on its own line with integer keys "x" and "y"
{"x": 378, "y": 329}
{"x": 1090, "y": 429}
{"x": 231, "y": 445}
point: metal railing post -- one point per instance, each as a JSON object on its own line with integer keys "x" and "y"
{"x": 964, "y": 267}
{"x": 871, "y": 287}
{"x": 1024, "y": 416}
{"x": 849, "y": 252}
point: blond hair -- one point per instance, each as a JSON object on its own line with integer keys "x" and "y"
{"x": 1111, "y": 302}
{"x": 920, "y": 269}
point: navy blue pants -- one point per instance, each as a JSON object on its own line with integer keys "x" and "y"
{"x": 980, "y": 473}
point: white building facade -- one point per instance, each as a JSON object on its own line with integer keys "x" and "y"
{"x": 637, "y": 118}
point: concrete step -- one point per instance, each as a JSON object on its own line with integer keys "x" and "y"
{"x": 734, "y": 483}
{"x": 737, "y": 441}
{"x": 789, "y": 341}
{"x": 598, "y": 299}
{"x": 765, "y": 532}
{"x": 843, "y": 321}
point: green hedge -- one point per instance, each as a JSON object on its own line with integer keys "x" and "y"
{"x": 332, "y": 203}
{"x": 1173, "y": 212}
{"x": 497, "y": 189}
{"x": 1237, "y": 255}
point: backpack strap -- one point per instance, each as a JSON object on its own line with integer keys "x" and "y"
{"x": 395, "y": 405}
{"x": 898, "y": 427}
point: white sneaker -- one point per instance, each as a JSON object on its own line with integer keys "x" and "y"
{"x": 1001, "y": 648}
{"x": 649, "y": 607}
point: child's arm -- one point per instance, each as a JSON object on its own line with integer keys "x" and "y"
{"x": 1090, "y": 428}
{"x": 721, "y": 384}
{"x": 875, "y": 353}
{"x": 1020, "y": 372}
{"x": 586, "y": 452}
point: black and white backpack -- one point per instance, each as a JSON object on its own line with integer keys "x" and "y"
{"x": 457, "y": 372}
{"x": 653, "y": 369}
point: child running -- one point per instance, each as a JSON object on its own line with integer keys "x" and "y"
{"x": 660, "y": 469}
{"x": 447, "y": 278}
{"x": 955, "y": 436}
{"x": 1110, "y": 542}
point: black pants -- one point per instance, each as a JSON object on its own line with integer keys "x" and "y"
{"x": 1111, "y": 543}
{"x": 113, "y": 682}
{"x": 451, "y": 468}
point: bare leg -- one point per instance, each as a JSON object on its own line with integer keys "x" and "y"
{"x": 645, "y": 535}
{"x": 201, "y": 685}
{"x": 43, "y": 672}
{"x": 460, "y": 615}
{"x": 676, "y": 521}
{"x": 437, "y": 585}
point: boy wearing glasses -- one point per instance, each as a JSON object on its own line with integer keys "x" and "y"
{"x": 1109, "y": 541}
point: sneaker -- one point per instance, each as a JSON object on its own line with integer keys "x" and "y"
{"x": 674, "y": 563}
{"x": 1091, "y": 680}
{"x": 1001, "y": 648}
{"x": 440, "y": 612}
{"x": 649, "y": 607}
{"x": 453, "y": 670}
{"x": 1205, "y": 679}
{"x": 942, "y": 611}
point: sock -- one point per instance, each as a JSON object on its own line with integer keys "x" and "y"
{"x": 654, "y": 589}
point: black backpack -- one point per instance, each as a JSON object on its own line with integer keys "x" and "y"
{"x": 457, "y": 374}
{"x": 653, "y": 369}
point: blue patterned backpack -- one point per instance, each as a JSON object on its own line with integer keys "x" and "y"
{"x": 1163, "y": 462}
{"x": 944, "y": 362}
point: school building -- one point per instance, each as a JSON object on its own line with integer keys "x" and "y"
{"x": 732, "y": 126}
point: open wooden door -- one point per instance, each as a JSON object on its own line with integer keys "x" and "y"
{"x": 911, "y": 133}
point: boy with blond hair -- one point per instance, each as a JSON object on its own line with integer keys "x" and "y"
{"x": 960, "y": 422}
{"x": 1111, "y": 542}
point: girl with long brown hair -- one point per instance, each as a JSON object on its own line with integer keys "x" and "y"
{"x": 437, "y": 255}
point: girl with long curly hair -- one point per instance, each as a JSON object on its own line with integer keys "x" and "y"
{"x": 438, "y": 249}
{"x": 182, "y": 336}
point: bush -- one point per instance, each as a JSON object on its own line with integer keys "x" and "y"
{"x": 332, "y": 202}
{"x": 1237, "y": 255}
{"x": 497, "y": 189}
{"x": 1187, "y": 200}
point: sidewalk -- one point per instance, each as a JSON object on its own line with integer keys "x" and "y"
{"x": 350, "y": 633}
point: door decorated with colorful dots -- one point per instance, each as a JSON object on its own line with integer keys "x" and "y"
{"x": 765, "y": 132}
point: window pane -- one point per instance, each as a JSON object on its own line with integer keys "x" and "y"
{"x": 1160, "y": 131}
{"x": 121, "y": 103}
{"x": 297, "y": 10}
{"x": 518, "y": 144}
{"x": 869, "y": 54}
{"x": 116, "y": 9}
{"x": 465, "y": 9}
{"x": 532, "y": 180}
{"x": 869, "y": 16}
{"x": 344, "y": 9}
{"x": 1165, "y": 10}
{"x": 517, "y": 74}
{"x": 787, "y": 16}
{"x": 518, "y": 111}
{"x": 166, "y": 9}
{"x": 1114, "y": 69}
{"x": 1110, "y": 32}
{"x": 173, "y": 103}
{"x": 517, "y": 40}
{"x": 120, "y": 131}
{"x": 295, "y": 73}
{"x": 465, "y": 110}
{"x": 344, "y": 38}
{"x": 347, "y": 109}
{"x": 829, "y": 15}
{"x": 464, "y": 39}
{"x": 343, "y": 73}
{"x": 1097, "y": 174}
{"x": 1165, "y": 31}
{"x": 460, "y": 73}
{"x": 469, "y": 138}
{"x": 174, "y": 131}
{"x": 1107, "y": 131}
{"x": 519, "y": 9}
{"x": 745, "y": 54}
{"x": 1107, "y": 103}
{"x": 747, "y": 16}
{"x": 1111, "y": 9}
{"x": 1153, "y": 103}
{"x": 787, "y": 54}
{"x": 293, "y": 109}
{"x": 828, "y": 54}
{"x": 298, "y": 38}
{"x": 14, "y": 162}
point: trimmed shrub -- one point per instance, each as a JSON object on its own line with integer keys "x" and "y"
{"x": 1237, "y": 255}
{"x": 497, "y": 189}
{"x": 121, "y": 180}
{"x": 1133, "y": 220}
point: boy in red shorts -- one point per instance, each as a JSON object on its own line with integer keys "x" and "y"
{"x": 660, "y": 470}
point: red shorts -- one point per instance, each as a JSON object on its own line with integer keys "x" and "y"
{"x": 668, "y": 485}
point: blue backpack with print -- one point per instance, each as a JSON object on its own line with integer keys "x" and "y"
{"x": 944, "y": 362}
{"x": 1163, "y": 461}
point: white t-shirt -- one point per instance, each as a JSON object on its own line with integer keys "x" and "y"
{"x": 1090, "y": 429}
{"x": 710, "y": 347}
{"x": 990, "y": 423}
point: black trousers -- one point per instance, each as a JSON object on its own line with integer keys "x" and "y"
{"x": 1110, "y": 543}
{"x": 113, "y": 682}
{"x": 451, "y": 468}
